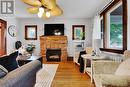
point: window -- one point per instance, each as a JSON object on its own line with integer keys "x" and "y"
{"x": 114, "y": 25}
{"x": 115, "y": 28}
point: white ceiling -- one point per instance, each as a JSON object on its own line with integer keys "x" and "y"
{"x": 71, "y": 8}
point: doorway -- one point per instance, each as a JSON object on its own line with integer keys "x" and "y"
{"x": 2, "y": 37}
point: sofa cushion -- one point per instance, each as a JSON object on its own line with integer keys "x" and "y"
{"x": 123, "y": 68}
{"x": 3, "y": 71}
{"x": 12, "y": 60}
{"x": 9, "y": 62}
{"x": 105, "y": 80}
{"x": 114, "y": 80}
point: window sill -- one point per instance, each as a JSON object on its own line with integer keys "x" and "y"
{"x": 112, "y": 50}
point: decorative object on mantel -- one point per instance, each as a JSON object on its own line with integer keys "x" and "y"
{"x": 30, "y": 48}
{"x": 43, "y": 8}
{"x": 78, "y": 32}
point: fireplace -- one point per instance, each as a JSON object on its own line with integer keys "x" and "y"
{"x": 54, "y": 42}
{"x": 53, "y": 54}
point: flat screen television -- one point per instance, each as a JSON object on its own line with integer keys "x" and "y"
{"x": 53, "y": 29}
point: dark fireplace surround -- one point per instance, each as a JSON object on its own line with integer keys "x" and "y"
{"x": 53, "y": 54}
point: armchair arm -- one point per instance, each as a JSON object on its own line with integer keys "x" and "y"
{"x": 104, "y": 67}
{"x": 109, "y": 80}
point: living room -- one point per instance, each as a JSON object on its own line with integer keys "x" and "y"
{"x": 87, "y": 16}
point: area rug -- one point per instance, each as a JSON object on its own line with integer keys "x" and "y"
{"x": 45, "y": 76}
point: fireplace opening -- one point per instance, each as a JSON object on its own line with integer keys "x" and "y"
{"x": 53, "y": 54}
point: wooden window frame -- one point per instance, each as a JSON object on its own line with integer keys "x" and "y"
{"x": 103, "y": 13}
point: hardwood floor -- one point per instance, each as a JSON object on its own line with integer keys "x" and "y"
{"x": 68, "y": 75}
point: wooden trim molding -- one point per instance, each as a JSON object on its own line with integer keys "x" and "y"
{"x": 124, "y": 2}
{"x": 110, "y": 6}
{"x": 4, "y": 22}
{"x": 112, "y": 50}
{"x": 3, "y": 37}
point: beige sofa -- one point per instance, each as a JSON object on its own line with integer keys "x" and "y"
{"x": 104, "y": 75}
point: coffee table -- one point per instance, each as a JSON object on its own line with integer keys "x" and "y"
{"x": 22, "y": 59}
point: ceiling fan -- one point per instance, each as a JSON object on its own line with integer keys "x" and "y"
{"x": 44, "y": 8}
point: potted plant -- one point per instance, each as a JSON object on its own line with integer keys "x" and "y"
{"x": 30, "y": 48}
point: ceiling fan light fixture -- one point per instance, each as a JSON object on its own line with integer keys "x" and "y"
{"x": 48, "y": 14}
{"x": 44, "y": 8}
{"x": 40, "y": 14}
{"x": 41, "y": 9}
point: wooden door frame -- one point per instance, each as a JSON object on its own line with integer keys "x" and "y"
{"x": 5, "y": 26}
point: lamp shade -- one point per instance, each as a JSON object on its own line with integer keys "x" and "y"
{"x": 97, "y": 43}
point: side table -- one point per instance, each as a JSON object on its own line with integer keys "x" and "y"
{"x": 88, "y": 70}
{"x": 22, "y": 59}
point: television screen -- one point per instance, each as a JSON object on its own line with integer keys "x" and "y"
{"x": 53, "y": 29}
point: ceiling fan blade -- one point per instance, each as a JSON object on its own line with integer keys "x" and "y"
{"x": 56, "y": 11}
{"x": 33, "y": 2}
{"x": 33, "y": 10}
{"x": 43, "y": 2}
{"x": 49, "y": 3}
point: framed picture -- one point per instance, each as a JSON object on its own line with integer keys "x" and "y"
{"x": 78, "y": 32}
{"x": 30, "y": 32}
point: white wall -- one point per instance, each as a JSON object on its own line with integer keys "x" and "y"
{"x": 10, "y": 41}
{"x": 68, "y": 30}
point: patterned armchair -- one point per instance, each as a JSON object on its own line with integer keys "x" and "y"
{"x": 126, "y": 54}
{"x": 112, "y": 73}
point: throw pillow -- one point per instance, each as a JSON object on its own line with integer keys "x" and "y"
{"x": 12, "y": 63}
{"x": 3, "y": 71}
{"x": 123, "y": 68}
{"x": 9, "y": 61}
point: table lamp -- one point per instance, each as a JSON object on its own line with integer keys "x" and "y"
{"x": 97, "y": 45}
